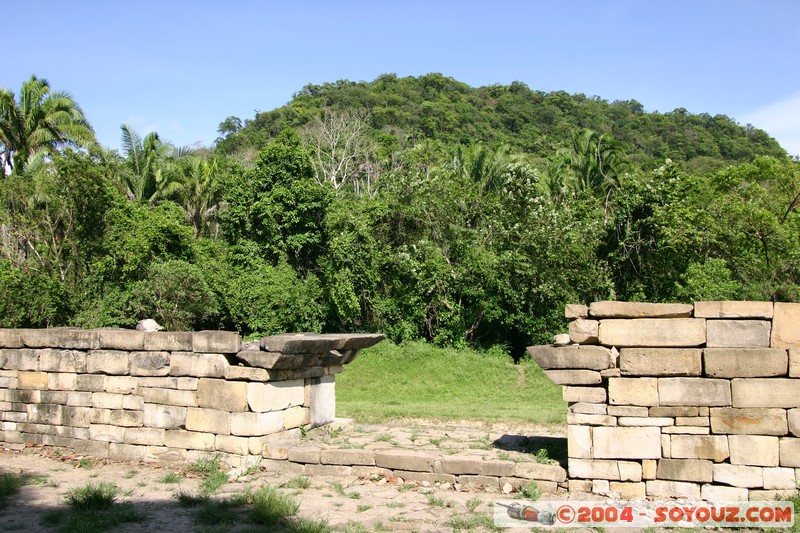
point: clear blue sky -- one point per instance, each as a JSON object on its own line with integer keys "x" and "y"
{"x": 180, "y": 68}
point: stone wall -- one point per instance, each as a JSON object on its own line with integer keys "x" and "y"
{"x": 166, "y": 396}
{"x": 669, "y": 400}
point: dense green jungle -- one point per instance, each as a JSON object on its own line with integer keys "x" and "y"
{"x": 419, "y": 207}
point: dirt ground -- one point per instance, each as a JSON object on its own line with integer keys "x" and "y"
{"x": 348, "y": 504}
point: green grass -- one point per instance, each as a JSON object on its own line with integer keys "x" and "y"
{"x": 271, "y": 508}
{"x": 171, "y": 477}
{"x": 210, "y": 469}
{"x": 92, "y": 509}
{"x": 472, "y": 522}
{"x": 300, "y": 482}
{"x": 9, "y": 485}
{"x": 415, "y": 379}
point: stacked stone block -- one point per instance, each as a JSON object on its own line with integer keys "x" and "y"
{"x": 675, "y": 400}
{"x": 166, "y": 396}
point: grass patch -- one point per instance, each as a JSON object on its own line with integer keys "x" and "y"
{"x": 473, "y": 503}
{"x": 270, "y": 507}
{"x": 444, "y": 383}
{"x": 472, "y": 522}
{"x": 92, "y": 509}
{"x": 170, "y": 477}
{"x": 189, "y": 499}
{"x": 363, "y": 508}
{"x": 9, "y": 485}
{"x": 210, "y": 470}
{"x": 85, "y": 462}
{"x": 530, "y": 491}
{"x": 300, "y": 482}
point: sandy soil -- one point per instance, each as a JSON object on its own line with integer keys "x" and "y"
{"x": 348, "y": 503}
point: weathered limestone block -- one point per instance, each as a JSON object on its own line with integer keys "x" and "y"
{"x": 168, "y": 341}
{"x": 348, "y": 457}
{"x": 186, "y": 398}
{"x": 405, "y": 460}
{"x": 612, "y": 309}
{"x": 738, "y": 333}
{"x": 216, "y": 342}
{"x": 627, "y": 490}
{"x": 573, "y": 377}
{"x": 12, "y": 338}
{"x": 732, "y": 309}
{"x": 786, "y": 325}
{"x": 62, "y": 382}
{"x": 69, "y": 338}
{"x": 713, "y": 447}
{"x": 245, "y": 373}
{"x": 577, "y": 357}
{"x": 590, "y": 420}
{"x": 653, "y": 332}
{"x": 319, "y": 343}
{"x": 754, "y": 450}
{"x": 256, "y": 424}
{"x": 106, "y": 433}
{"x": 780, "y": 478}
{"x": 121, "y": 339}
{"x": 601, "y": 486}
{"x": 794, "y": 363}
{"x": 79, "y": 399}
{"x": 45, "y": 413}
{"x": 76, "y": 416}
{"x": 583, "y": 394}
{"x": 672, "y": 489}
{"x": 793, "y": 418}
{"x": 584, "y": 331}
{"x": 694, "y": 391}
{"x": 562, "y": 339}
{"x": 262, "y": 397}
{"x": 50, "y": 360}
{"x": 719, "y": 493}
{"x": 752, "y": 421}
{"x": 32, "y": 380}
{"x": 572, "y": 311}
{"x": 121, "y": 384}
{"x": 305, "y": 453}
{"x": 463, "y": 465}
{"x": 579, "y": 485}
{"x": 660, "y": 361}
{"x": 118, "y": 451}
{"x": 626, "y": 442}
{"x": 766, "y": 392}
{"x": 685, "y": 470}
{"x": 231, "y": 444}
{"x": 189, "y": 440}
{"x": 674, "y": 411}
{"x": 144, "y": 436}
{"x": 114, "y": 362}
{"x": 149, "y": 363}
{"x": 698, "y": 421}
{"x": 531, "y": 470}
{"x": 641, "y": 421}
{"x": 745, "y": 362}
{"x": 125, "y": 418}
{"x": 498, "y": 468}
{"x": 627, "y": 410}
{"x": 222, "y": 395}
{"x": 133, "y": 401}
{"x": 322, "y": 401}
{"x": 165, "y": 455}
{"x": 296, "y": 417}
{"x": 739, "y": 475}
{"x": 588, "y": 408}
{"x": 207, "y": 420}
{"x": 107, "y": 400}
{"x": 633, "y": 391}
{"x": 278, "y": 360}
{"x": 790, "y": 452}
{"x": 164, "y": 416}
{"x": 201, "y": 365}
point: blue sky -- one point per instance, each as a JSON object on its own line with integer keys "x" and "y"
{"x": 180, "y": 68}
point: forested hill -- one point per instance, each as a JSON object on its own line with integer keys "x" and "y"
{"x": 417, "y": 207}
{"x": 436, "y": 107}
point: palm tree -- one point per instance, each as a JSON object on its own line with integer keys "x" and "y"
{"x": 153, "y": 166}
{"x": 37, "y": 123}
{"x": 200, "y": 194}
